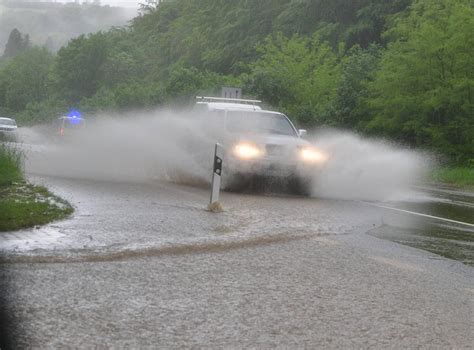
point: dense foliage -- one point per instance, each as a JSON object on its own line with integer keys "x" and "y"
{"x": 397, "y": 68}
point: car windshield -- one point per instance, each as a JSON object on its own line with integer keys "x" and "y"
{"x": 7, "y": 121}
{"x": 259, "y": 123}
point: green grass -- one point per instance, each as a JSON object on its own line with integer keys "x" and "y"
{"x": 10, "y": 166}
{"x": 23, "y": 205}
{"x": 459, "y": 176}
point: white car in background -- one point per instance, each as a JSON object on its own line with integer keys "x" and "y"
{"x": 259, "y": 143}
{"x": 8, "y": 129}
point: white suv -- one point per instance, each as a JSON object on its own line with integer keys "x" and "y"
{"x": 259, "y": 143}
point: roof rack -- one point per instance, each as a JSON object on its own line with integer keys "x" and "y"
{"x": 225, "y": 99}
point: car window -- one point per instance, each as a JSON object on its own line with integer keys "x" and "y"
{"x": 259, "y": 123}
{"x": 7, "y": 122}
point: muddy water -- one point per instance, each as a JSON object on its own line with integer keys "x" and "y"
{"x": 146, "y": 266}
{"x": 114, "y": 221}
{"x": 117, "y": 219}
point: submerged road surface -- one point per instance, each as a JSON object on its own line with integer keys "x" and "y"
{"x": 145, "y": 265}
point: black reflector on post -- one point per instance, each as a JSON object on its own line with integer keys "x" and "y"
{"x": 216, "y": 173}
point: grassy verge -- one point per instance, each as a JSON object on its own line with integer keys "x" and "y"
{"x": 460, "y": 177}
{"x": 24, "y": 205}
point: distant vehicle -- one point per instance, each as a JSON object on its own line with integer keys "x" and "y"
{"x": 67, "y": 124}
{"x": 260, "y": 143}
{"x": 8, "y": 129}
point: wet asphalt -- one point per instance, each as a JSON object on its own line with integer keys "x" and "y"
{"x": 146, "y": 265}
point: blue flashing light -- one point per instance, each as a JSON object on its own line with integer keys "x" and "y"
{"x": 74, "y": 117}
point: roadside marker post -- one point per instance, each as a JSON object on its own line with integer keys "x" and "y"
{"x": 216, "y": 174}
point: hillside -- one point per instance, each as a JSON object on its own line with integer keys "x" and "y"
{"x": 56, "y": 21}
{"x": 400, "y": 69}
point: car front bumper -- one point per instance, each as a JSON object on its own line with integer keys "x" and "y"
{"x": 271, "y": 167}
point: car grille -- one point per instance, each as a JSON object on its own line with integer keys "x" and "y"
{"x": 275, "y": 150}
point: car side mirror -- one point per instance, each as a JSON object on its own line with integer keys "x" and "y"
{"x": 302, "y": 132}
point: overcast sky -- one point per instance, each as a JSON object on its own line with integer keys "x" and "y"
{"x": 128, "y": 3}
{"x": 124, "y": 3}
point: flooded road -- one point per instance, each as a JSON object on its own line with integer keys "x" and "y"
{"x": 439, "y": 220}
{"x": 145, "y": 265}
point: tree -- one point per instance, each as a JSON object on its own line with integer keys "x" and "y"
{"x": 49, "y": 44}
{"x": 371, "y": 21}
{"x": 16, "y": 44}
{"x": 358, "y": 69}
{"x": 79, "y": 67}
{"x": 423, "y": 92}
{"x": 184, "y": 83}
{"x": 26, "y": 42}
{"x": 299, "y": 75}
{"x": 25, "y": 79}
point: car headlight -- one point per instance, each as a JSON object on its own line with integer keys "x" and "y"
{"x": 312, "y": 155}
{"x": 246, "y": 150}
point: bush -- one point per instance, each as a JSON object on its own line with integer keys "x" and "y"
{"x": 459, "y": 176}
